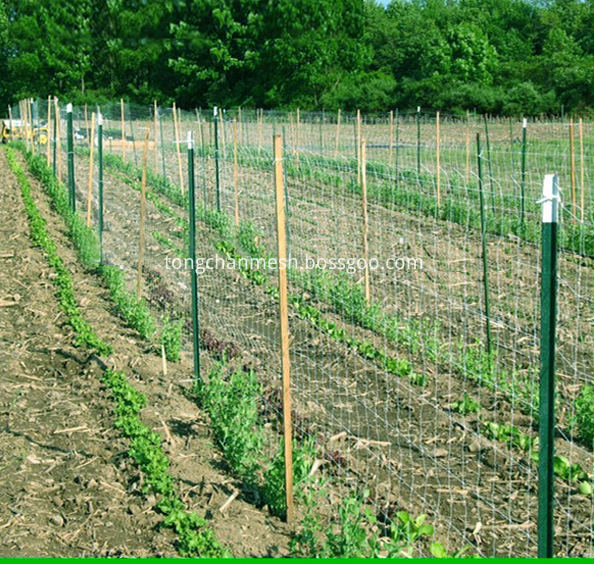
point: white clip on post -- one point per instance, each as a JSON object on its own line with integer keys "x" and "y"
{"x": 524, "y": 123}
{"x": 550, "y": 199}
{"x": 214, "y": 111}
{"x": 190, "y": 141}
{"x": 69, "y": 108}
{"x": 99, "y": 119}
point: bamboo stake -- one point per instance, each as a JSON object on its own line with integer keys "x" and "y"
{"x": 49, "y": 135}
{"x": 222, "y": 129}
{"x": 58, "y": 137}
{"x": 141, "y": 222}
{"x": 284, "y": 321}
{"x": 10, "y": 120}
{"x": 338, "y": 131}
{"x": 156, "y": 136}
{"x": 235, "y": 171}
{"x": 31, "y": 125}
{"x": 391, "y": 139}
{"x": 359, "y": 147}
{"x": 582, "y": 150}
{"x": 123, "y": 122}
{"x": 572, "y": 168}
{"x": 90, "y": 190}
{"x": 365, "y": 220}
{"x": 438, "y": 157}
{"x": 177, "y": 143}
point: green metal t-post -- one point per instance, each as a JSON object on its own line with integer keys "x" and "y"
{"x": 192, "y": 256}
{"x": 545, "y": 517}
{"x": 100, "y": 182}
{"x": 217, "y": 159}
{"x": 71, "y": 184}
{"x": 523, "y": 174}
{"x": 486, "y": 282}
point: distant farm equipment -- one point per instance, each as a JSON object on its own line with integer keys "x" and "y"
{"x": 19, "y": 129}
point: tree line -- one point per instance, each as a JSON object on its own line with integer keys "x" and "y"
{"x": 507, "y": 57}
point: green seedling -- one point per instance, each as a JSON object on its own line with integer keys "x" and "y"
{"x": 465, "y": 406}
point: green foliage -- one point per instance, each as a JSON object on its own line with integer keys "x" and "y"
{"x": 231, "y": 400}
{"x": 582, "y": 423}
{"x": 171, "y": 339}
{"x": 134, "y": 311}
{"x": 195, "y": 539}
{"x": 273, "y": 490}
{"x": 311, "y": 54}
{"x": 356, "y": 534}
{"x": 466, "y": 405}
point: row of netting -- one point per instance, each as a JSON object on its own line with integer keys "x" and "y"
{"x": 414, "y": 296}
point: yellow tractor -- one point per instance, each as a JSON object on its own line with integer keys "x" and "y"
{"x": 16, "y": 129}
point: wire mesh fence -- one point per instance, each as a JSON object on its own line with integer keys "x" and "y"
{"x": 414, "y": 284}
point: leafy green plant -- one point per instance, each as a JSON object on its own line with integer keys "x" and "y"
{"x": 171, "y": 339}
{"x": 273, "y": 489}
{"x": 465, "y": 406}
{"x": 231, "y": 402}
{"x": 582, "y": 422}
{"x": 83, "y": 333}
{"x": 195, "y": 539}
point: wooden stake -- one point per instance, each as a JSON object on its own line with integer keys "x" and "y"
{"x": 90, "y": 190}
{"x": 156, "y": 136}
{"x": 282, "y": 257}
{"x": 365, "y": 220}
{"x": 31, "y": 125}
{"x": 222, "y": 129}
{"x": 359, "y": 147}
{"x": 391, "y": 139}
{"x": 177, "y": 143}
{"x": 123, "y": 121}
{"x": 338, "y": 132}
{"x": 141, "y": 222}
{"x": 235, "y": 171}
{"x": 25, "y": 123}
{"x": 163, "y": 361}
{"x": 49, "y": 126}
{"x": 58, "y": 138}
{"x": 438, "y": 157}
{"x": 582, "y": 150}
{"x": 572, "y": 168}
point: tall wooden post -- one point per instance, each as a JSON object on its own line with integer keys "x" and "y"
{"x": 365, "y": 220}
{"x": 235, "y": 172}
{"x": 177, "y": 143}
{"x": 156, "y": 136}
{"x": 284, "y": 321}
{"x": 141, "y": 221}
{"x": 391, "y": 139}
{"x": 91, "y": 163}
{"x": 49, "y": 135}
{"x": 572, "y": 168}
{"x": 58, "y": 140}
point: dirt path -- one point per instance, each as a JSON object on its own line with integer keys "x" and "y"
{"x": 66, "y": 487}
